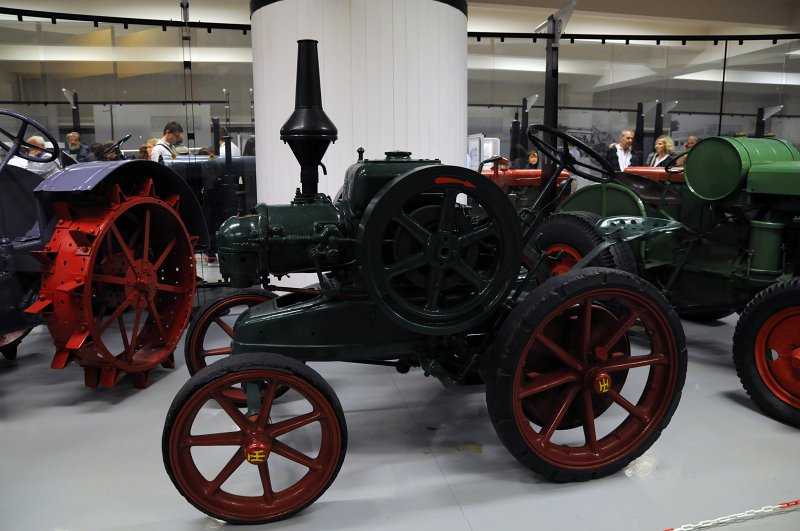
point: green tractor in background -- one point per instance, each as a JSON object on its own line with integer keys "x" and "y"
{"x": 717, "y": 236}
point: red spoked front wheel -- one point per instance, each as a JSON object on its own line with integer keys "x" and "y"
{"x": 586, "y": 373}
{"x": 260, "y": 461}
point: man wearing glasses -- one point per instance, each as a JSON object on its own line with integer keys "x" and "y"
{"x": 165, "y": 147}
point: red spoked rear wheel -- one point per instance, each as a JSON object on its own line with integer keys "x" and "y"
{"x": 118, "y": 283}
{"x": 586, "y": 373}
{"x": 258, "y": 462}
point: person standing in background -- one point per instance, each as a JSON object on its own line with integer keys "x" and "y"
{"x": 235, "y": 152}
{"x": 622, "y": 154}
{"x": 165, "y": 146}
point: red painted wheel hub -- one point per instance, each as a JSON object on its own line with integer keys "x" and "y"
{"x": 777, "y": 355}
{"x": 567, "y": 255}
{"x": 118, "y": 281}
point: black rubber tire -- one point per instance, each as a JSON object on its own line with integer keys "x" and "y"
{"x": 507, "y": 365}
{"x": 240, "y": 511}
{"x": 748, "y": 347}
{"x": 191, "y": 342}
{"x": 576, "y": 229}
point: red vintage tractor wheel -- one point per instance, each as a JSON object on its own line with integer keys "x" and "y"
{"x": 259, "y": 462}
{"x": 119, "y": 276}
{"x": 587, "y": 372}
{"x": 210, "y": 333}
{"x": 766, "y": 350}
{"x": 567, "y": 237}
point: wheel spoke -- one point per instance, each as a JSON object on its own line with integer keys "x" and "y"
{"x": 420, "y": 233}
{"x": 121, "y": 308}
{"x": 478, "y": 234}
{"x": 225, "y": 327}
{"x": 171, "y": 288}
{"x": 434, "y": 289}
{"x": 134, "y": 334}
{"x": 227, "y": 471}
{"x": 294, "y": 455}
{"x": 110, "y": 279}
{"x": 231, "y": 438}
{"x": 222, "y": 351}
{"x": 638, "y": 412}
{"x": 406, "y": 265}
{"x": 154, "y": 313}
{"x": 123, "y": 245}
{"x": 448, "y": 210}
{"x": 543, "y": 382}
{"x": 165, "y": 253}
{"x": 622, "y": 329}
{"x": 470, "y": 275}
{"x": 146, "y": 244}
{"x": 556, "y": 350}
{"x": 634, "y": 362}
{"x": 233, "y": 412}
{"x": 565, "y": 399}
{"x": 123, "y": 333}
{"x": 266, "y": 483}
{"x": 589, "y": 428}
{"x": 284, "y": 427}
{"x": 266, "y": 405}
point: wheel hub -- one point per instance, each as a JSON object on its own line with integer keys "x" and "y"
{"x": 442, "y": 251}
{"x": 257, "y": 450}
{"x": 142, "y": 278}
{"x": 600, "y": 382}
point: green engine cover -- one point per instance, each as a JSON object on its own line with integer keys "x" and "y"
{"x": 364, "y": 178}
{"x": 716, "y": 167}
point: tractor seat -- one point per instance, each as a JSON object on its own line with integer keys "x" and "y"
{"x": 649, "y": 191}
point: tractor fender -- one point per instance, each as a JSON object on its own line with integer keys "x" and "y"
{"x": 609, "y": 199}
{"x": 85, "y": 177}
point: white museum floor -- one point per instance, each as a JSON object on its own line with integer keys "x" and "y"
{"x": 420, "y": 456}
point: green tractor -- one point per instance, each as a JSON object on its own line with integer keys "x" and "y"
{"x": 419, "y": 265}
{"x": 712, "y": 236}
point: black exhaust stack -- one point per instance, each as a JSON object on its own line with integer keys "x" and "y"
{"x": 308, "y": 131}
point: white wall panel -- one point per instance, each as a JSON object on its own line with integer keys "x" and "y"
{"x": 393, "y": 76}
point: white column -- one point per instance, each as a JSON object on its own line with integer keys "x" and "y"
{"x": 393, "y": 76}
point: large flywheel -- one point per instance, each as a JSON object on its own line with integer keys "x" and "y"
{"x": 439, "y": 248}
{"x": 118, "y": 282}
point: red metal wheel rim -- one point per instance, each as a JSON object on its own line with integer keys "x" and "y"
{"x": 586, "y": 364}
{"x": 255, "y": 443}
{"x": 198, "y": 353}
{"x": 777, "y": 355}
{"x": 569, "y": 256}
{"x": 158, "y": 285}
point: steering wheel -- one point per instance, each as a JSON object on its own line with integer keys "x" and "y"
{"x": 115, "y": 147}
{"x": 563, "y": 158}
{"x": 14, "y": 142}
